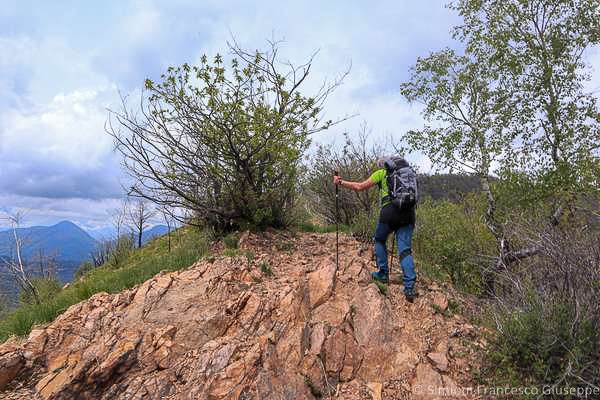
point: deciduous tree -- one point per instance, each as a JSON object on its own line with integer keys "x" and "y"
{"x": 223, "y": 140}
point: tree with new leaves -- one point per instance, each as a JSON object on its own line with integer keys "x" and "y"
{"x": 468, "y": 112}
{"x": 220, "y": 140}
{"x": 514, "y": 105}
{"x": 540, "y": 46}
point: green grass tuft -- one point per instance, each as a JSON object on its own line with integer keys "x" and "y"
{"x": 383, "y": 289}
{"x": 231, "y": 241}
{"x": 231, "y": 252}
{"x": 266, "y": 269}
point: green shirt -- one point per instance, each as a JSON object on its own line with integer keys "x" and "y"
{"x": 378, "y": 177}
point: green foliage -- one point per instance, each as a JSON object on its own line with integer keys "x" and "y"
{"x": 265, "y": 268}
{"x": 231, "y": 252}
{"x": 514, "y": 105}
{"x": 458, "y": 136}
{"x": 317, "y": 228}
{"x": 235, "y": 132}
{"x": 383, "y": 289}
{"x": 83, "y": 269}
{"x": 121, "y": 249}
{"x": 548, "y": 322}
{"x": 47, "y": 288}
{"x": 453, "y": 187}
{"x": 438, "y": 310}
{"x": 363, "y": 225}
{"x": 453, "y": 307}
{"x": 249, "y": 257}
{"x": 3, "y": 305}
{"x": 536, "y": 47}
{"x": 142, "y": 264}
{"x": 540, "y": 342}
{"x": 448, "y": 239}
{"x": 231, "y": 241}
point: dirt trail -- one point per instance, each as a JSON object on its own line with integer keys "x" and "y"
{"x": 226, "y": 329}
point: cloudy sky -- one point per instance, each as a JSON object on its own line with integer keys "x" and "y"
{"x": 63, "y": 63}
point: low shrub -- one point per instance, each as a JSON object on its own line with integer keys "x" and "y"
{"x": 450, "y": 240}
{"x": 317, "y": 228}
{"x": 363, "y": 226}
{"x": 548, "y": 315}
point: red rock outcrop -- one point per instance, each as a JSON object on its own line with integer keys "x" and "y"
{"x": 222, "y": 329}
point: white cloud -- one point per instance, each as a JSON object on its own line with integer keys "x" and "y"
{"x": 53, "y": 147}
{"x": 58, "y": 73}
{"x": 144, "y": 24}
{"x": 69, "y": 128}
{"x": 90, "y": 214}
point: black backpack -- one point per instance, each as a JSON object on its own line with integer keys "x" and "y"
{"x": 402, "y": 183}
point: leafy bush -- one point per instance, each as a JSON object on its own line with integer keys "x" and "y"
{"x": 450, "y": 240}
{"x": 234, "y": 133}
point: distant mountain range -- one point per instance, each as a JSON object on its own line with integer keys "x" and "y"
{"x": 68, "y": 244}
{"x": 65, "y": 242}
{"x": 101, "y": 234}
{"x": 154, "y": 232}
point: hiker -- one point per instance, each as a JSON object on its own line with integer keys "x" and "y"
{"x": 397, "y": 215}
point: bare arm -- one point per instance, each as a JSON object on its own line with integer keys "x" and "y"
{"x": 358, "y": 186}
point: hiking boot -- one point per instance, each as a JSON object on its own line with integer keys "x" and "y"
{"x": 380, "y": 276}
{"x": 410, "y": 295}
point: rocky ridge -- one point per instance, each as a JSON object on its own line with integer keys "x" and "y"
{"x": 276, "y": 321}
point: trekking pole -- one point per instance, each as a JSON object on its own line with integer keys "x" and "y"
{"x": 337, "y": 223}
{"x": 392, "y": 256}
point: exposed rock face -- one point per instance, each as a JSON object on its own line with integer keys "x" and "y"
{"x": 12, "y": 361}
{"x": 427, "y": 384}
{"x": 223, "y": 331}
{"x": 439, "y": 360}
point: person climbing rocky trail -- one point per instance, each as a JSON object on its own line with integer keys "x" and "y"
{"x": 271, "y": 322}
